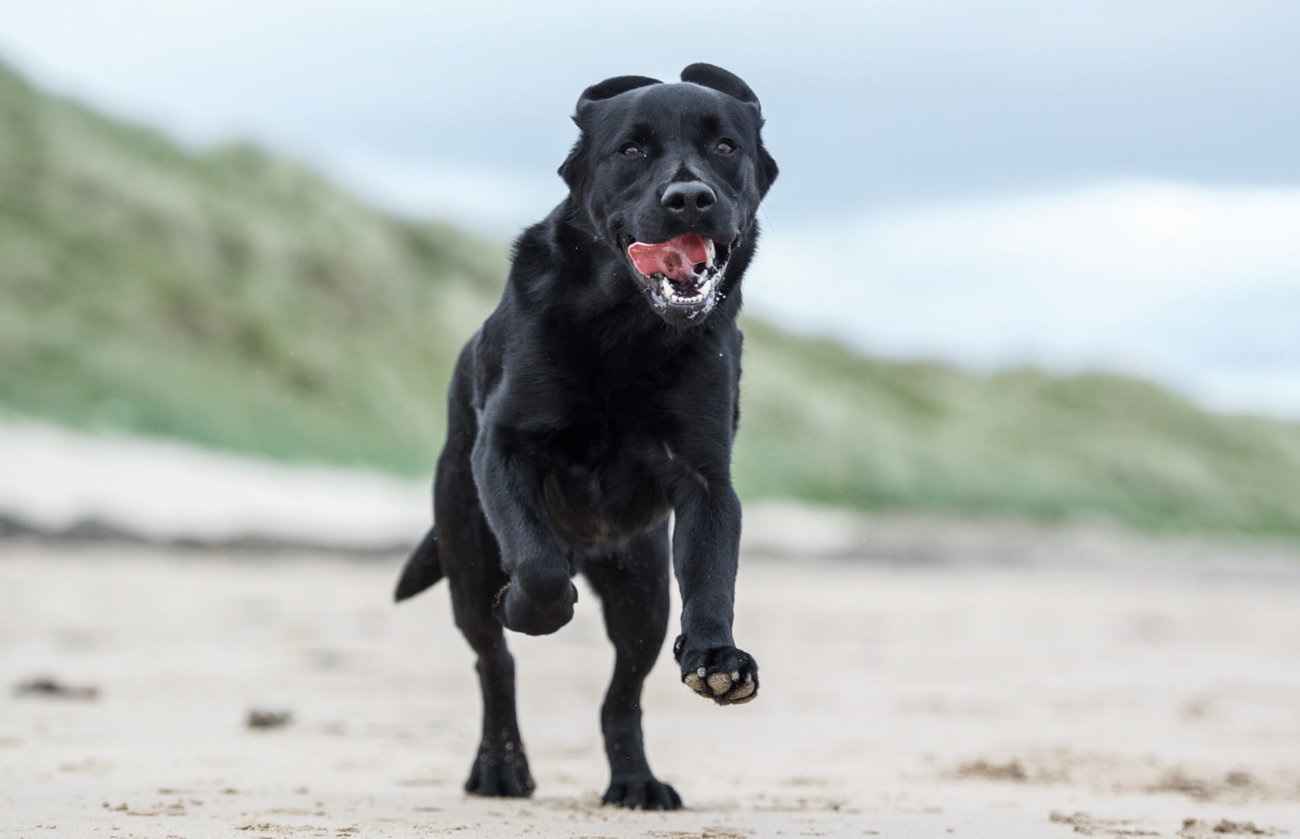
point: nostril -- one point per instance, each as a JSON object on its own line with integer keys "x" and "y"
{"x": 692, "y": 196}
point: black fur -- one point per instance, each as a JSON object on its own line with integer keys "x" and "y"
{"x": 422, "y": 570}
{"x": 589, "y": 407}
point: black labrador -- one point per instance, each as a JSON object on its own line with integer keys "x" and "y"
{"x": 599, "y": 398}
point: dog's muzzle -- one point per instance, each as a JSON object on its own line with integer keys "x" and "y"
{"x": 683, "y": 273}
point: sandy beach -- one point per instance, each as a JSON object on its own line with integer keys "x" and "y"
{"x": 901, "y": 697}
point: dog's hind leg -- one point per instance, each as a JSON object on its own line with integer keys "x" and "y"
{"x": 470, "y": 556}
{"x": 633, "y": 588}
{"x": 473, "y": 563}
{"x": 500, "y": 768}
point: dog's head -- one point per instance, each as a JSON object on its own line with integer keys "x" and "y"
{"x": 670, "y": 177}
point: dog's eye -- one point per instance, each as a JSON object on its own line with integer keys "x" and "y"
{"x": 631, "y": 150}
{"x": 724, "y": 147}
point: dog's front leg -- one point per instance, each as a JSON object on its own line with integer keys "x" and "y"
{"x": 540, "y": 595}
{"x": 706, "y": 549}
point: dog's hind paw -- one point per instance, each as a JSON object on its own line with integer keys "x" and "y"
{"x": 502, "y": 775}
{"x": 642, "y": 794}
{"x": 726, "y": 675}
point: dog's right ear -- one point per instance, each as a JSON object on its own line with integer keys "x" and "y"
{"x": 613, "y": 87}
{"x": 572, "y": 166}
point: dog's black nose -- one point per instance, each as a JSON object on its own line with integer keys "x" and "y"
{"x": 689, "y": 199}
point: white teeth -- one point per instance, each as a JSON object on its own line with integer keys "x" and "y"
{"x": 670, "y": 293}
{"x": 696, "y": 290}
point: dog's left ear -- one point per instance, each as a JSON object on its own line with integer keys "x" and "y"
{"x": 734, "y": 86}
{"x": 720, "y": 80}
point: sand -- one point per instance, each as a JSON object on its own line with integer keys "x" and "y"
{"x": 901, "y": 696}
{"x": 61, "y": 482}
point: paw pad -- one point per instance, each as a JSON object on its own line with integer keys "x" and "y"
{"x": 720, "y": 683}
{"x": 729, "y": 678}
{"x": 744, "y": 692}
{"x": 695, "y": 681}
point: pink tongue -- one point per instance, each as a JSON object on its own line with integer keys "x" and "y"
{"x": 674, "y": 259}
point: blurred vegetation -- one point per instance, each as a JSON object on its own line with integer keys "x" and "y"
{"x": 230, "y": 297}
{"x": 239, "y": 300}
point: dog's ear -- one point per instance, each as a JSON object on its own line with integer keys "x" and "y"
{"x": 729, "y": 83}
{"x": 720, "y": 80}
{"x": 767, "y": 168}
{"x": 572, "y": 166}
{"x": 613, "y": 87}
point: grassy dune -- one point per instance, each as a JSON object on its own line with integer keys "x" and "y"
{"x": 237, "y": 299}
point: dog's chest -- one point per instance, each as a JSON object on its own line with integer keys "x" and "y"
{"x": 604, "y": 478}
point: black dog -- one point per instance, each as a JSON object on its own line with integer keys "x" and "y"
{"x": 600, "y": 397}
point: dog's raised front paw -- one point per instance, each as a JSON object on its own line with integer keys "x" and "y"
{"x": 726, "y": 675}
{"x": 521, "y": 613}
{"x": 500, "y": 773}
{"x": 642, "y": 794}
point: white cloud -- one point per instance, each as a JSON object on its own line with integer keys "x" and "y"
{"x": 494, "y": 202}
{"x": 1187, "y": 283}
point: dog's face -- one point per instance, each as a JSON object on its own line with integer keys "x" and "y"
{"x": 669, "y": 177}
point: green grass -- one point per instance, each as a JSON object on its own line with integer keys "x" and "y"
{"x": 239, "y": 300}
{"x": 231, "y": 297}
{"x": 928, "y": 437}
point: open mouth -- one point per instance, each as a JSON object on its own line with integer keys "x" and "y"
{"x": 684, "y": 271}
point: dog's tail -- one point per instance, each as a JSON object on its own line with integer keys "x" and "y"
{"x": 422, "y": 570}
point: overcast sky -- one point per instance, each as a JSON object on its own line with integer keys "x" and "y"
{"x": 1072, "y": 184}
